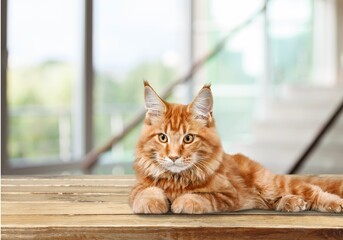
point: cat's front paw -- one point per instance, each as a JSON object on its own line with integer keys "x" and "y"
{"x": 292, "y": 203}
{"x": 151, "y": 200}
{"x": 334, "y": 206}
{"x": 191, "y": 204}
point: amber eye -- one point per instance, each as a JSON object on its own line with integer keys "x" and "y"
{"x": 189, "y": 138}
{"x": 162, "y": 138}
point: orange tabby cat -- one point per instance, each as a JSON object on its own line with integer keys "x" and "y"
{"x": 181, "y": 166}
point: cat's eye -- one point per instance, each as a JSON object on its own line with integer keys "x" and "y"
{"x": 162, "y": 138}
{"x": 189, "y": 138}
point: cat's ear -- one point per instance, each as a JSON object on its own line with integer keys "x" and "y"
{"x": 202, "y": 104}
{"x": 153, "y": 103}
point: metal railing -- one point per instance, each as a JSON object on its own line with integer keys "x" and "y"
{"x": 316, "y": 140}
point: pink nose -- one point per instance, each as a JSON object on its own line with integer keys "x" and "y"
{"x": 174, "y": 158}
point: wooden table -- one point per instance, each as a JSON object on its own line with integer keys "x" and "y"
{"x": 95, "y": 207}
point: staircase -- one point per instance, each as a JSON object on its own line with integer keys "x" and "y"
{"x": 288, "y": 127}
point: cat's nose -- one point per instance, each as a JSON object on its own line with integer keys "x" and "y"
{"x": 174, "y": 158}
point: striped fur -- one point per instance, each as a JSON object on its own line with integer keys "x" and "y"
{"x": 198, "y": 177}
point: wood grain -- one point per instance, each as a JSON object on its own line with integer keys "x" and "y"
{"x": 95, "y": 207}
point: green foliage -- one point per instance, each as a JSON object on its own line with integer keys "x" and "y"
{"x": 46, "y": 85}
{"x": 39, "y": 96}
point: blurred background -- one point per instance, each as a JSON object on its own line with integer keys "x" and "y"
{"x": 72, "y": 73}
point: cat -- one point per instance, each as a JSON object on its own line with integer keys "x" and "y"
{"x": 181, "y": 167}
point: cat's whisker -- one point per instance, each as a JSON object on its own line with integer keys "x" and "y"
{"x": 206, "y": 167}
{"x": 196, "y": 166}
{"x": 200, "y": 168}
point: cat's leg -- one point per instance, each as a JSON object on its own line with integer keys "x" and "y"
{"x": 291, "y": 203}
{"x": 198, "y": 203}
{"x": 326, "y": 202}
{"x": 148, "y": 200}
{"x": 294, "y": 194}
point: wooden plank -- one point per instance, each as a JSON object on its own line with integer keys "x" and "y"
{"x": 80, "y": 189}
{"x": 53, "y": 197}
{"x": 57, "y": 182}
{"x": 68, "y": 177}
{"x": 63, "y": 208}
{"x": 116, "y": 207}
{"x": 192, "y": 221}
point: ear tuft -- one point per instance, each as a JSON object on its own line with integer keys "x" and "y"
{"x": 146, "y": 84}
{"x": 203, "y": 103}
{"x": 153, "y": 103}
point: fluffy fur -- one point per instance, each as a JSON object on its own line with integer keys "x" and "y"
{"x": 181, "y": 167}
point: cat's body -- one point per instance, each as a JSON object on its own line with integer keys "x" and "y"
{"x": 180, "y": 166}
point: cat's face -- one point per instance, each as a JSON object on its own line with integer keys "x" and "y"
{"x": 175, "y": 141}
{"x": 177, "y": 138}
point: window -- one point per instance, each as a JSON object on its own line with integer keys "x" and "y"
{"x": 51, "y": 71}
{"x": 43, "y": 64}
{"x": 291, "y": 38}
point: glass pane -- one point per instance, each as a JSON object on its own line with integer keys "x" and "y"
{"x": 291, "y": 38}
{"x": 43, "y": 44}
{"x": 237, "y": 72}
{"x": 134, "y": 40}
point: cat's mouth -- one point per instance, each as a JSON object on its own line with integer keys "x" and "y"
{"x": 177, "y": 166}
{"x": 176, "y": 169}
